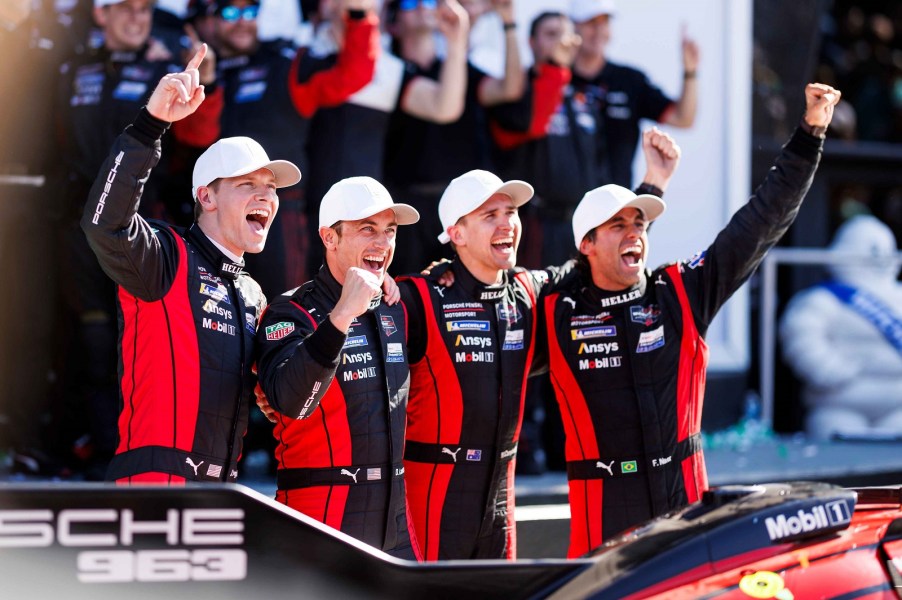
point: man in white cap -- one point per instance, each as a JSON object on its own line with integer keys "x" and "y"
{"x": 99, "y": 93}
{"x": 332, "y": 362}
{"x": 626, "y": 344}
{"x": 187, "y": 310}
{"x": 625, "y": 95}
{"x": 470, "y": 347}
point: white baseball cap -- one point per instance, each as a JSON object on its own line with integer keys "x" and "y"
{"x": 234, "y": 156}
{"x": 102, "y": 3}
{"x": 357, "y": 198}
{"x": 469, "y": 191}
{"x": 586, "y": 10}
{"x": 600, "y": 204}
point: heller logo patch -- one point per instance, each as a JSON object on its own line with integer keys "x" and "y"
{"x": 646, "y": 315}
{"x": 593, "y": 332}
{"x": 230, "y": 268}
{"x": 468, "y": 326}
{"x": 279, "y": 330}
{"x": 388, "y": 324}
{"x": 492, "y": 294}
{"x": 394, "y": 352}
{"x": 651, "y": 340}
{"x": 629, "y": 466}
{"x": 821, "y": 516}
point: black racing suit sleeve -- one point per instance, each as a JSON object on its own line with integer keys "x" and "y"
{"x": 416, "y": 320}
{"x": 295, "y": 370}
{"x": 137, "y": 256}
{"x": 755, "y": 228}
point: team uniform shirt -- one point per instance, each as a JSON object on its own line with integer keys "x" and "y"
{"x": 425, "y": 153}
{"x": 624, "y": 97}
{"x": 348, "y": 140}
{"x": 628, "y": 367}
{"x": 272, "y": 95}
{"x": 471, "y": 347}
{"x": 341, "y": 400}
{"x": 560, "y": 148}
{"x": 187, "y": 317}
{"x": 100, "y": 94}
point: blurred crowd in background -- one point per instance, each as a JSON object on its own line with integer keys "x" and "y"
{"x": 427, "y": 116}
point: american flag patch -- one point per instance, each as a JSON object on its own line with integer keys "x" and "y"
{"x": 214, "y": 470}
{"x": 374, "y": 474}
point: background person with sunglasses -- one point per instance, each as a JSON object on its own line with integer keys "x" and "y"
{"x": 272, "y": 90}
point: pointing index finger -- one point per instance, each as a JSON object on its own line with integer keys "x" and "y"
{"x": 198, "y": 58}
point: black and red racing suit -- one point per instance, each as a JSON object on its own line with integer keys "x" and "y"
{"x": 187, "y": 318}
{"x": 628, "y": 367}
{"x": 342, "y": 401}
{"x": 471, "y": 346}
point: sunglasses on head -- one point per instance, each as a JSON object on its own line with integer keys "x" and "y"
{"x": 230, "y": 14}
{"x": 412, "y": 4}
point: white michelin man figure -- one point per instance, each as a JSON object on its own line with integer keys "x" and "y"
{"x": 843, "y": 338}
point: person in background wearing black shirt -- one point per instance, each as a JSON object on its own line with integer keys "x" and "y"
{"x": 625, "y": 95}
{"x": 349, "y": 139}
{"x": 272, "y": 91}
{"x": 422, "y": 155}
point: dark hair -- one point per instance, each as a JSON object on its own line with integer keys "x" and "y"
{"x": 582, "y": 262}
{"x": 548, "y": 14}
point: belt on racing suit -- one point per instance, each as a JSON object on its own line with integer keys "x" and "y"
{"x": 160, "y": 459}
{"x": 626, "y": 466}
{"x": 450, "y": 453}
{"x": 292, "y": 479}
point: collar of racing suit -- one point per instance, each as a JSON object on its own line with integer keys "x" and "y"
{"x": 474, "y": 287}
{"x": 332, "y": 289}
{"x": 599, "y": 297}
{"x": 228, "y": 268}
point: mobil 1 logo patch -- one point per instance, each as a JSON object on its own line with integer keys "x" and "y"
{"x": 830, "y": 515}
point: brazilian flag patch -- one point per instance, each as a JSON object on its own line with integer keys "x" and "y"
{"x": 629, "y": 466}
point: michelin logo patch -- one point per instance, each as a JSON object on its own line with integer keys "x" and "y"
{"x": 218, "y": 293}
{"x": 593, "y": 332}
{"x": 355, "y": 341}
{"x": 651, "y": 340}
{"x": 468, "y": 326}
{"x": 394, "y": 352}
